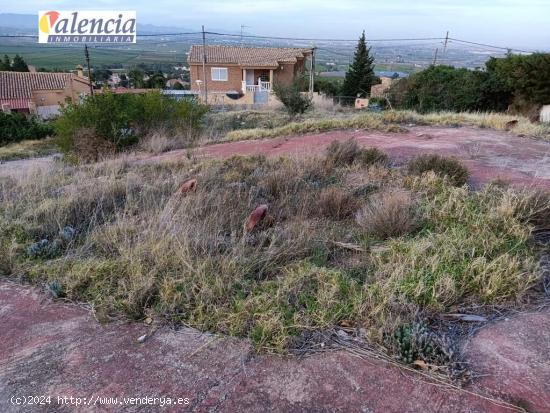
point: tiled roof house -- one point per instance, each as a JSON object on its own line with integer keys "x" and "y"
{"x": 234, "y": 69}
{"x": 40, "y": 93}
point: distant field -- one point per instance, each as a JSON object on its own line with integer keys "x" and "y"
{"x": 51, "y": 57}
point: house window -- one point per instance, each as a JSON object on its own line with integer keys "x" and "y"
{"x": 219, "y": 74}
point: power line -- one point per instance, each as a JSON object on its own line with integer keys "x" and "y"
{"x": 488, "y": 45}
{"x": 312, "y": 39}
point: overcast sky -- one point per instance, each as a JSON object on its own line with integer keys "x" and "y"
{"x": 520, "y": 23}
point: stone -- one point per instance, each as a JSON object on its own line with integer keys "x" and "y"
{"x": 255, "y": 217}
{"x": 187, "y": 186}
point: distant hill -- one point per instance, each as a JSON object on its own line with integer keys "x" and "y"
{"x": 19, "y": 21}
{"x": 28, "y": 23}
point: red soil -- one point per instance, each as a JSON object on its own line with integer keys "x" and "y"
{"x": 58, "y": 349}
{"x": 488, "y": 154}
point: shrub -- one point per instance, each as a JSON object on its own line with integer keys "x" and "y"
{"x": 342, "y": 153}
{"x": 388, "y": 214}
{"x": 291, "y": 96}
{"x": 373, "y": 156}
{"x": 125, "y": 118}
{"x": 442, "y": 166}
{"x": 336, "y": 203}
{"x": 441, "y": 88}
{"x": 15, "y": 127}
{"x": 328, "y": 86}
{"x": 348, "y": 152}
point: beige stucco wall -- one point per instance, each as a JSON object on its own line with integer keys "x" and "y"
{"x": 233, "y": 83}
{"x": 72, "y": 92}
{"x": 285, "y": 73}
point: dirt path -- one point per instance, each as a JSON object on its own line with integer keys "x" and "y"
{"x": 58, "y": 349}
{"x": 488, "y": 154}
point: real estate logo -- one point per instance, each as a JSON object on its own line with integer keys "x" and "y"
{"x": 87, "y": 26}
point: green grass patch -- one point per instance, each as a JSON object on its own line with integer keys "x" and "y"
{"x": 140, "y": 247}
{"x": 28, "y": 149}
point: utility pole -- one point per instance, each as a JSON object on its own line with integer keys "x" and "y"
{"x": 435, "y": 56}
{"x": 242, "y": 32}
{"x": 204, "y": 66}
{"x": 312, "y": 72}
{"x": 446, "y": 41}
{"x": 87, "y": 55}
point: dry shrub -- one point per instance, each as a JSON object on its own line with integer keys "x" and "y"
{"x": 373, "y": 156}
{"x": 442, "y": 166}
{"x": 534, "y": 208}
{"x": 89, "y": 147}
{"x": 336, "y": 203}
{"x": 342, "y": 153}
{"x": 157, "y": 143}
{"x": 348, "y": 152}
{"x": 388, "y": 214}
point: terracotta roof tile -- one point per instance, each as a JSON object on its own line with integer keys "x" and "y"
{"x": 247, "y": 56}
{"x": 20, "y": 85}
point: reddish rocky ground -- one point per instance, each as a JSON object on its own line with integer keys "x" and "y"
{"x": 487, "y": 153}
{"x": 59, "y": 349}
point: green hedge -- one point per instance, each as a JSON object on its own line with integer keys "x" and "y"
{"x": 15, "y": 127}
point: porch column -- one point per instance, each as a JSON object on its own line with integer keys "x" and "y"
{"x": 244, "y": 81}
{"x": 270, "y": 79}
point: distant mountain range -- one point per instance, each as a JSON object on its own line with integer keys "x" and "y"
{"x": 28, "y": 23}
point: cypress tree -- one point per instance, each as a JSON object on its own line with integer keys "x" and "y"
{"x": 360, "y": 76}
{"x": 19, "y": 65}
{"x": 6, "y": 63}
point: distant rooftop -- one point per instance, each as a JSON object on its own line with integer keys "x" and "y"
{"x": 16, "y": 87}
{"x": 20, "y": 85}
{"x": 270, "y": 57}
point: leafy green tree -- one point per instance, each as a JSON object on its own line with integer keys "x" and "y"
{"x": 441, "y": 88}
{"x": 360, "y": 76}
{"x": 291, "y": 96}
{"x": 6, "y": 63}
{"x": 136, "y": 77}
{"x": 328, "y": 86}
{"x": 19, "y": 65}
{"x": 123, "y": 80}
{"x": 102, "y": 75}
{"x": 156, "y": 81}
{"x": 528, "y": 77}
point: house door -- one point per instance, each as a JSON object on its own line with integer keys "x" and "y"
{"x": 250, "y": 77}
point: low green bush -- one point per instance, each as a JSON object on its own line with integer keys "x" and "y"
{"x": 15, "y": 127}
{"x": 125, "y": 118}
{"x": 442, "y": 166}
{"x": 291, "y": 96}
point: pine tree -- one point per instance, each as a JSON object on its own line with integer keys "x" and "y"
{"x": 360, "y": 76}
{"x": 6, "y": 63}
{"x": 19, "y": 65}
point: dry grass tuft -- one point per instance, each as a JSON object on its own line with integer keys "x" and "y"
{"x": 443, "y": 166}
{"x": 336, "y": 203}
{"x": 347, "y": 152}
{"x": 158, "y": 143}
{"x": 388, "y": 214}
{"x": 342, "y": 153}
